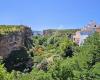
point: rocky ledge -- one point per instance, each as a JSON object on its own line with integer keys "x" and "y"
{"x": 13, "y": 37}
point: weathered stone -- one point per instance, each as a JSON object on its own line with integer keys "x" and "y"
{"x": 14, "y": 41}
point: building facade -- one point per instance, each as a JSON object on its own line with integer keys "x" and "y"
{"x": 80, "y": 36}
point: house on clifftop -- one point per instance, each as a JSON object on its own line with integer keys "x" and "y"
{"x": 88, "y": 30}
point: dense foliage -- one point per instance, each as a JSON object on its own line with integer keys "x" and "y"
{"x": 18, "y": 60}
{"x": 56, "y": 57}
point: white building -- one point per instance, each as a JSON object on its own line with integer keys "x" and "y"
{"x": 88, "y": 30}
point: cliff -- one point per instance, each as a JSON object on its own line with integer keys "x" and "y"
{"x": 13, "y": 37}
{"x": 62, "y": 31}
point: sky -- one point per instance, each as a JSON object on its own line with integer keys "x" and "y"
{"x": 49, "y": 14}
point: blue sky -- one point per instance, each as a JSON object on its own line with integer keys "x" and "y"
{"x": 45, "y": 14}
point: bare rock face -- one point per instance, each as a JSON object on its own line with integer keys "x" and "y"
{"x": 14, "y": 41}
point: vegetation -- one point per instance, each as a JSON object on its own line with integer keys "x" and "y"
{"x": 61, "y": 31}
{"x": 18, "y": 60}
{"x": 7, "y": 29}
{"x": 56, "y": 57}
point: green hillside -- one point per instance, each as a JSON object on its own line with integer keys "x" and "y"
{"x": 60, "y": 31}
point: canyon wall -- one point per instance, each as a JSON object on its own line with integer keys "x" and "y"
{"x": 14, "y": 41}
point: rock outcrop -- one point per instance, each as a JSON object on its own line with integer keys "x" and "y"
{"x": 14, "y": 40}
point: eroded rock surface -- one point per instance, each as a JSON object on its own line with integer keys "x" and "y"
{"x": 14, "y": 41}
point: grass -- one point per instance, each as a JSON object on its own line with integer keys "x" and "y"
{"x": 6, "y": 29}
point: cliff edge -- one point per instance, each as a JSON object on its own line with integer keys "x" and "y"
{"x": 13, "y": 37}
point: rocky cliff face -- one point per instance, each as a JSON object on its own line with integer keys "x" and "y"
{"x": 14, "y": 41}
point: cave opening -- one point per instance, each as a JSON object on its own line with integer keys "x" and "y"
{"x": 18, "y": 60}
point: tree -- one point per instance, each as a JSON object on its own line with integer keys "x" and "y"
{"x": 19, "y": 60}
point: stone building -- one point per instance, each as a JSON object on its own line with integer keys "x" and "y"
{"x": 85, "y": 32}
{"x": 76, "y": 37}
